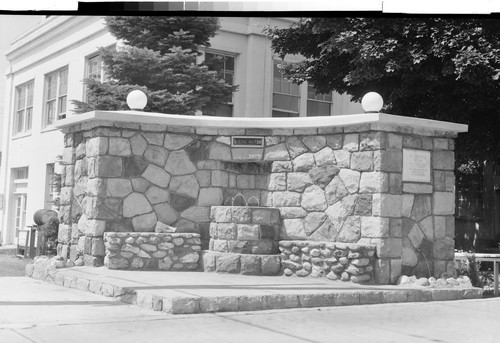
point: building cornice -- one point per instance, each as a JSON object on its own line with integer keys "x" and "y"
{"x": 40, "y": 35}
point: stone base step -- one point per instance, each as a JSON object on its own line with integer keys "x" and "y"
{"x": 197, "y": 292}
{"x": 246, "y": 264}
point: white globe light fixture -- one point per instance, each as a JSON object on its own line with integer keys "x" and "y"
{"x": 137, "y": 100}
{"x": 372, "y": 102}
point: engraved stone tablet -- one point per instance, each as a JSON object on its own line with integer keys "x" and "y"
{"x": 416, "y": 165}
{"x": 247, "y": 141}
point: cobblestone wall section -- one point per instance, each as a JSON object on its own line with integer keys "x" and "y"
{"x": 152, "y": 251}
{"x": 336, "y": 261}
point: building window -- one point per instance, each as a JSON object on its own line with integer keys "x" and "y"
{"x": 224, "y": 65}
{"x": 94, "y": 69}
{"x": 20, "y": 190}
{"x": 24, "y": 108}
{"x": 318, "y": 104}
{"x": 286, "y": 95}
{"x": 56, "y": 89}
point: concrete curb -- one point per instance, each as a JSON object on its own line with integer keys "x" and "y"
{"x": 130, "y": 292}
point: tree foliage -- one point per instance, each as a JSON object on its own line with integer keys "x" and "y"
{"x": 158, "y": 55}
{"x": 437, "y": 68}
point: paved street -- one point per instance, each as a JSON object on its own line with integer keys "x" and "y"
{"x": 34, "y": 311}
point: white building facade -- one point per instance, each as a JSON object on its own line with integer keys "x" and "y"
{"x": 48, "y": 64}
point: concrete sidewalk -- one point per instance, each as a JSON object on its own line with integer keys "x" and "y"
{"x": 33, "y": 311}
{"x": 199, "y": 292}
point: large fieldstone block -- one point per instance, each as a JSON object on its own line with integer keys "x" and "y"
{"x": 228, "y": 263}
{"x": 321, "y": 176}
{"x": 185, "y": 185}
{"x": 156, "y": 175}
{"x": 314, "y": 143}
{"x": 138, "y": 144}
{"x": 96, "y": 146}
{"x": 350, "y": 178}
{"x": 286, "y": 199}
{"x": 313, "y": 199}
{"x": 276, "y": 153}
{"x": 174, "y": 141}
{"x": 303, "y": 163}
{"x": 157, "y": 195}
{"x": 444, "y": 203}
{"x": 325, "y": 156}
{"x": 165, "y": 213}
{"x": 335, "y": 191}
{"x": 444, "y": 160}
{"x": 108, "y": 166}
{"x": 374, "y": 182}
{"x": 118, "y": 187}
{"x": 422, "y": 207}
{"x": 293, "y": 229}
{"x": 295, "y": 147}
{"x": 156, "y": 154}
{"x": 135, "y": 204}
{"x": 375, "y": 227}
{"x": 178, "y": 163}
{"x": 119, "y": 146}
{"x": 362, "y": 161}
{"x": 387, "y": 205}
{"x": 210, "y": 197}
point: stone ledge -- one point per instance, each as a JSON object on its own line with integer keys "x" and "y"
{"x": 151, "y": 300}
{"x": 304, "y": 124}
{"x": 232, "y": 263}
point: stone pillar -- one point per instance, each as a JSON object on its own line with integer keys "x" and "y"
{"x": 412, "y": 223}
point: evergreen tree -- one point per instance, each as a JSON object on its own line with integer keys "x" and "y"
{"x": 158, "y": 56}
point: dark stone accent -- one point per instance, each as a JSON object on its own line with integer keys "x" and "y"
{"x": 119, "y": 225}
{"x": 77, "y": 139}
{"x": 197, "y": 151}
{"x": 407, "y": 226}
{"x": 363, "y": 205}
{"x": 87, "y": 247}
{"x": 248, "y": 167}
{"x": 268, "y": 232}
{"x": 239, "y": 247}
{"x": 134, "y": 166}
{"x": 321, "y": 176}
{"x": 150, "y": 264}
{"x": 423, "y": 269}
{"x": 181, "y": 250}
{"x": 425, "y": 249}
{"x": 181, "y": 202}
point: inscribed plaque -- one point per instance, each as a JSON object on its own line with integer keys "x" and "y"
{"x": 416, "y": 165}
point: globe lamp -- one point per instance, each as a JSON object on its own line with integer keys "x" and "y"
{"x": 137, "y": 100}
{"x": 372, "y": 102}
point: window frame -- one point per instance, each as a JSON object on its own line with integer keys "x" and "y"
{"x": 230, "y": 104}
{"x": 302, "y": 96}
{"x": 26, "y": 89}
{"x": 58, "y": 99}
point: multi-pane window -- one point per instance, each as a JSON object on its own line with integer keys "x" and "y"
{"x": 286, "y": 95}
{"x": 23, "y": 107}
{"x": 56, "y": 88}
{"x": 318, "y": 104}
{"x": 224, "y": 65}
{"x": 94, "y": 68}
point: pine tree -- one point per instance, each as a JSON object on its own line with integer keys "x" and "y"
{"x": 158, "y": 55}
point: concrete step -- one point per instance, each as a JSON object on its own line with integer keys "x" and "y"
{"x": 200, "y": 292}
